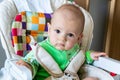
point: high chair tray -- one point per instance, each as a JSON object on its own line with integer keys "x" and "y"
{"x": 19, "y": 72}
{"x": 108, "y": 64}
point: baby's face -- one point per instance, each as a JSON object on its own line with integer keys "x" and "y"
{"x": 64, "y": 34}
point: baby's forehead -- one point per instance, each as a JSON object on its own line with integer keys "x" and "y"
{"x": 70, "y": 12}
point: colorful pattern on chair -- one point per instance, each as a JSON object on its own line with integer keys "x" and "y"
{"x": 25, "y": 24}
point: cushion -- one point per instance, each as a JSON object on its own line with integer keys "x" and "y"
{"x": 28, "y": 23}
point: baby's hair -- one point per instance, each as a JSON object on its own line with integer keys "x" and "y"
{"x": 72, "y": 12}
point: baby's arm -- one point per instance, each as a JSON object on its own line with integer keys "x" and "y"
{"x": 23, "y": 63}
{"x": 92, "y": 55}
{"x": 30, "y": 62}
{"x": 96, "y": 55}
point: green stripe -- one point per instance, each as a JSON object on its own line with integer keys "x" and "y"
{"x": 88, "y": 57}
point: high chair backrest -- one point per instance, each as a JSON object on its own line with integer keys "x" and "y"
{"x": 7, "y": 13}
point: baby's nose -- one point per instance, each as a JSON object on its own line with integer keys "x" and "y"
{"x": 62, "y": 38}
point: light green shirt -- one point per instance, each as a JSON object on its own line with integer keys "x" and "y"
{"x": 62, "y": 58}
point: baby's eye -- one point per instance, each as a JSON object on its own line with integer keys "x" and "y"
{"x": 57, "y": 31}
{"x": 71, "y": 35}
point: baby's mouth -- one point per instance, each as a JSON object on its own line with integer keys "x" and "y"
{"x": 60, "y": 46}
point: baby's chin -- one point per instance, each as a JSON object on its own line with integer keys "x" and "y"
{"x": 60, "y": 48}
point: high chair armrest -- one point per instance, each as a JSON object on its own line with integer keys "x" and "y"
{"x": 7, "y": 13}
{"x": 97, "y": 72}
{"x": 18, "y": 72}
{"x": 108, "y": 64}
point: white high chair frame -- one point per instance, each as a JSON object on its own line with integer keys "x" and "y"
{"x": 8, "y": 11}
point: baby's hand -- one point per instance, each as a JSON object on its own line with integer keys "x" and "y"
{"x": 23, "y": 63}
{"x": 96, "y": 55}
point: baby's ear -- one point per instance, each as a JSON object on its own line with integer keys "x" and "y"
{"x": 49, "y": 25}
{"x": 80, "y": 38}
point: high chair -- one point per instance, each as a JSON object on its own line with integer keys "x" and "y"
{"x": 8, "y": 10}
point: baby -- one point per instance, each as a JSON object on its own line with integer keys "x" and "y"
{"x": 64, "y": 34}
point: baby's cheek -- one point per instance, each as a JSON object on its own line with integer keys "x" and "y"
{"x": 52, "y": 41}
{"x": 52, "y": 38}
{"x": 69, "y": 46}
